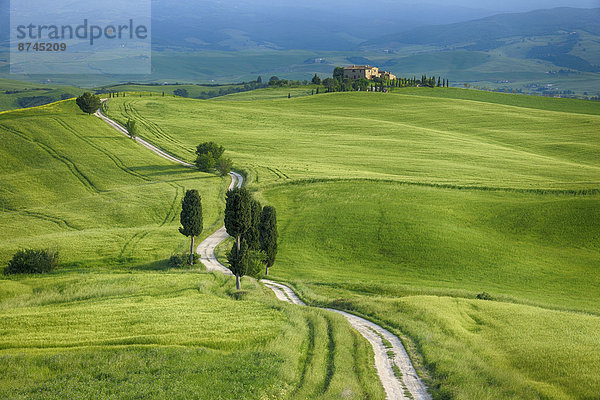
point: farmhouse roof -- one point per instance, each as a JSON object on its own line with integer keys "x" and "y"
{"x": 359, "y": 67}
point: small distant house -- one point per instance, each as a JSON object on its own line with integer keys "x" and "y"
{"x": 366, "y": 72}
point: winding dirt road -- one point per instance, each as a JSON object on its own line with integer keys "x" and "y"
{"x": 388, "y": 349}
{"x": 141, "y": 141}
{"x": 206, "y": 249}
{"x": 403, "y": 386}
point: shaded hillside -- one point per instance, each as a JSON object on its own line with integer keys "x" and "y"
{"x": 534, "y": 23}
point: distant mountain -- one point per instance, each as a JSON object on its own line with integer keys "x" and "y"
{"x": 336, "y": 25}
{"x": 283, "y": 25}
{"x": 534, "y": 23}
{"x": 566, "y": 37}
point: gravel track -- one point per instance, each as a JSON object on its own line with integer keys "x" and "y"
{"x": 406, "y": 386}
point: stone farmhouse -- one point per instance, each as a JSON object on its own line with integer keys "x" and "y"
{"x": 366, "y": 72}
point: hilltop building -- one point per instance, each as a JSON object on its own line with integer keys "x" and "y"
{"x": 366, "y": 72}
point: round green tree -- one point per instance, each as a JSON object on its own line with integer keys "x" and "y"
{"x": 88, "y": 103}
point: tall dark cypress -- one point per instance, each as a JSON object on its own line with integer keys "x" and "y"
{"x": 269, "y": 235}
{"x": 191, "y": 218}
{"x": 238, "y": 219}
{"x": 252, "y": 234}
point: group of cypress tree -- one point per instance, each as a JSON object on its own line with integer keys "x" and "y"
{"x": 426, "y": 81}
{"x": 115, "y": 94}
{"x": 340, "y": 84}
{"x": 255, "y": 231}
{"x": 254, "y": 228}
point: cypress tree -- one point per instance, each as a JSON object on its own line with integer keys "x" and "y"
{"x": 238, "y": 219}
{"x": 268, "y": 235}
{"x": 238, "y": 261}
{"x": 191, "y": 218}
{"x": 252, "y": 235}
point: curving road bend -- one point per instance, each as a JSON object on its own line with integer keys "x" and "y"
{"x": 395, "y": 387}
{"x": 406, "y": 387}
{"x": 141, "y": 141}
{"x": 206, "y": 249}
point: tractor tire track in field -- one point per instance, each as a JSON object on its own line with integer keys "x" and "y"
{"x": 115, "y": 159}
{"x": 141, "y": 141}
{"x": 151, "y": 126}
{"x": 408, "y": 387}
{"x": 395, "y": 387}
{"x": 85, "y": 181}
{"x": 131, "y": 244}
{"x": 172, "y": 213}
{"x": 62, "y": 223}
{"x": 330, "y": 357}
{"x": 310, "y": 351}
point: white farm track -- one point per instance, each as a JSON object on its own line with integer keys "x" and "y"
{"x": 388, "y": 349}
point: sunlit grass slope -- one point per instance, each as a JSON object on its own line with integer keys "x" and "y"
{"x": 114, "y": 322}
{"x": 487, "y": 350}
{"x": 271, "y": 93}
{"x": 528, "y": 247}
{"x": 415, "y": 257}
{"x": 407, "y": 138}
{"x": 71, "y": 182}
{"x": 158, "y": 335}
{"x": 16, "y": 94}
{"x": 403, "y": 207}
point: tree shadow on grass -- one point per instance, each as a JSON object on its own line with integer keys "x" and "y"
{"x": 163, "y": 265}
{"x": 157, "y": 170}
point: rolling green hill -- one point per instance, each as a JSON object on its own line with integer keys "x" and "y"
{"x": 68, "y": 181}
{"x": 370, "y": 135}
{"x": 184, "y": 90}
{"x": 114, "y": 321}
{"x": 176, "y": 334}
{"x": 15, "y": 94}
{"x": 533, "y": 23}
{"x": 402, "y": 207}
{"x": 553, "y": 52}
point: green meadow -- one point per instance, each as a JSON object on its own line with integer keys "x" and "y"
{"x": 193, "y": 90}
{"x": 172, "y": 334}
{"x": 114, "y": 321}
{"x": 15, "y": 94}
{"x": 271, "y": 93}
{"x": 403, "y": 207}
{"x": 403, "y": 137}
{"x": 70, "y": 182}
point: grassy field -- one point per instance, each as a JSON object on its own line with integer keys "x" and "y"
{"x": 172, "y": 334}
{"x": 271, "y": 93}
{"x": 522, "y": 247}
{"x": 405, "y": 137}
{"x": 114, "y": 321}
{"x": 15, "y": 94}
{"x": 403, "y": 207}
{"x": 193, "y": 91}
{"x": 70, "y": 182}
